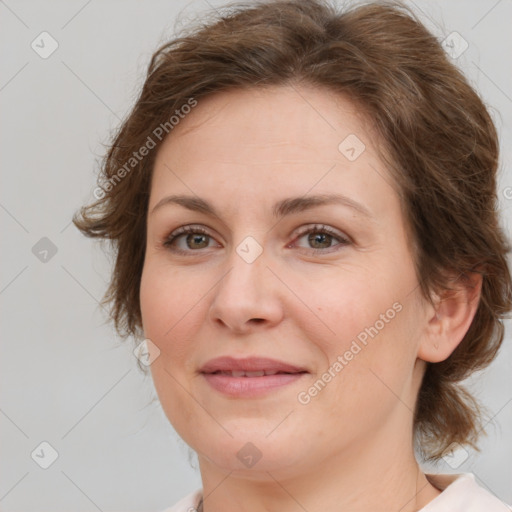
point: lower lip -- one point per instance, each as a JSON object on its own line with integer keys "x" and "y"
{"x": 245, "y": 387}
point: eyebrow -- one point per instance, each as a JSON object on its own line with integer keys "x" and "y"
{"x": 282, "y": 208}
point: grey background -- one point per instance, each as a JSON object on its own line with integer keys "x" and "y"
{"x": 65, "y": 378}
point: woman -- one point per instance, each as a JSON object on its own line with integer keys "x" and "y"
{"x": 303, "y": 204}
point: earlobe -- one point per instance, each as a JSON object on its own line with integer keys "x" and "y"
{"x": 451, "y": 319}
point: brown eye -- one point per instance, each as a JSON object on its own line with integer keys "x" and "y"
{"x": 321, "y": 237}
{"x": 194, "y": 238}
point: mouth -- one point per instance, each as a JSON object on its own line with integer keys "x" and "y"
{"x": 249, "y": 366}
{"x": 260, "y": 373}
{"x": 250, "y": 377}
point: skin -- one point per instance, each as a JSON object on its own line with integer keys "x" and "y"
{"x": 350, "y": 447}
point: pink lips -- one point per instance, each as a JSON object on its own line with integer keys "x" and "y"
{"x": 249, "y": 377}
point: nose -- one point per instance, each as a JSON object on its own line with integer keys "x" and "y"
{"x": 248, "y": 296}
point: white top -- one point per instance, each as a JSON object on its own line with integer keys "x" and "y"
{"x": 460, "y": 493}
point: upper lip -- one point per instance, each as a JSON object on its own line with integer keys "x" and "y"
{"x": 249, "y": 364}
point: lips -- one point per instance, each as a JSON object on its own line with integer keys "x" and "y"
{"x": 242, "y": 373}
{"x": 250, "y": 377}
{"x": 249, "y": 367}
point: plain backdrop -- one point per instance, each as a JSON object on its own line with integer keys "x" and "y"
{"x": 66, "y": 379}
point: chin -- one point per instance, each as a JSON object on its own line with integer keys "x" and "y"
{"x": 247, "y": 454}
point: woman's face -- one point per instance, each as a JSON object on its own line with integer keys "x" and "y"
{"x": 325, "y": 287}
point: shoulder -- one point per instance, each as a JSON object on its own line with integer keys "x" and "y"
{"x": 187, "y": 504}
{"x": 461, "y": 493}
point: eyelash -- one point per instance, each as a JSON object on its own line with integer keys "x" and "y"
{"x": 317, "y": 228}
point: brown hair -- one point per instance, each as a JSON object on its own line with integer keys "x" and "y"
{"x": 438, "y": 140}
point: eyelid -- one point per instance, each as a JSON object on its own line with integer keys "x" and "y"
{"x": 322, "y": 228}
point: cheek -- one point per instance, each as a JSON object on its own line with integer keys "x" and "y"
{"x": 164, "y": 307}
{"x": 345, "y": 301}
{"x": 166, "y": 318}
{"x": 365, "y": 318}
{"x": 164, "y": 299}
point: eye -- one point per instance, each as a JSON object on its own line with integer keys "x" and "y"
{"x": 194, "y": 238}
{"x": 321, "y": 238}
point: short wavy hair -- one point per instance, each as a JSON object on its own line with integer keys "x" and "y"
{"x": 437, "y": 139}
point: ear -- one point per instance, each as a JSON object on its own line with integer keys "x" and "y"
{"x": 451, "y": 318}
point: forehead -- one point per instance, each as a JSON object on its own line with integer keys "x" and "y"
{"x": 272, "y": 142}
{"x": 288, "y": 118}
